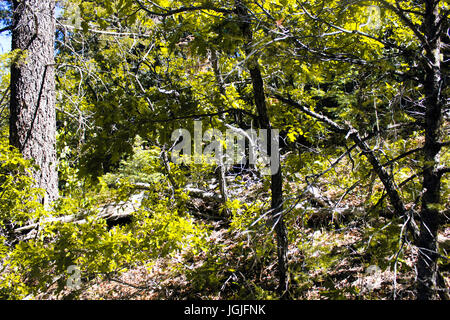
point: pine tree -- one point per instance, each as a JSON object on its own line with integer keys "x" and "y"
{"x": 32, "y": 106}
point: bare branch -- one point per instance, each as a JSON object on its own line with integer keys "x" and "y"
{"x": 348, "y": 151}
{"x": 352, "y": 133}
{"x": 403, "y": 155}
{"x": 343, "y": 30}
{"x": 108, "y": 33}
{"x": 201, "y": 115}
{"x": 333, "y": 125}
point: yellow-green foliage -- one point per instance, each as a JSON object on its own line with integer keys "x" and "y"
{"x": 34, "y": 265}
{"x": 19, "y": 200}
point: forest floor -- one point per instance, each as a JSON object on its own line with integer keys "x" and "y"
{"x": 326, "y": 261}
{"x": 348, "y": 279}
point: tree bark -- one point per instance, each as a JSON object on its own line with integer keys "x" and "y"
{"x": 32, "y": 106}
{"x": 429, "y": 214}
{"x": 220, "y": 170}
{"x": 276, "y": 185}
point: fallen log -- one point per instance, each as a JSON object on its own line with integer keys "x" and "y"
{"x": 193, "y": 192}
{"x": 111, "y": 213}
{"x": 114, "y": 213}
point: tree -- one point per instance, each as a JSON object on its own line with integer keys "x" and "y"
{"x": 240, "y": 17}
{"x": 427, "y": 272}
{"x": 319, "y": 70}
{"x": 276, "y": 181}
{"x": 32, "y": 104}
{"x": 425, "y": 22}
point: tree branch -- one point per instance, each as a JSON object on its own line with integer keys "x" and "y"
{"x": 442, "y": 170}
{"x": 401, "y": 14}
{"x": 201, "y": 115}
{"x": 348, "y": 151}
{"x": 333, "y": 125}
{"x": 7, "y": 28}
{"x": 106, "y": 32}
{"x": 403, "y": 155}
{"x": 343, "y": 30}
{"x": 352, "y": 133}
{"x": 169, "y": 12}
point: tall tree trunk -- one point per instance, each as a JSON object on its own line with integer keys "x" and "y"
{"x": 220, "y": 170}
{"x": 429, "y": 214}
{"x": 32, "y": 106}
{"x": 276, "y": 185}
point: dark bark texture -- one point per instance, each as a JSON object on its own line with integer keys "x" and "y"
{"x": 264, "y": 123}
{"x": 32, "y": 106}
{"x": 427, "y": 272}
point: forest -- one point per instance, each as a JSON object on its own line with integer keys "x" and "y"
{"x": 225, "y": 150}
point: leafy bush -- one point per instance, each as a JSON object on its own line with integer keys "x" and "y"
{"x": 43, "y": 262}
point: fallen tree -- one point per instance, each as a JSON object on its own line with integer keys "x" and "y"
{"x": 113, "y": 213}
